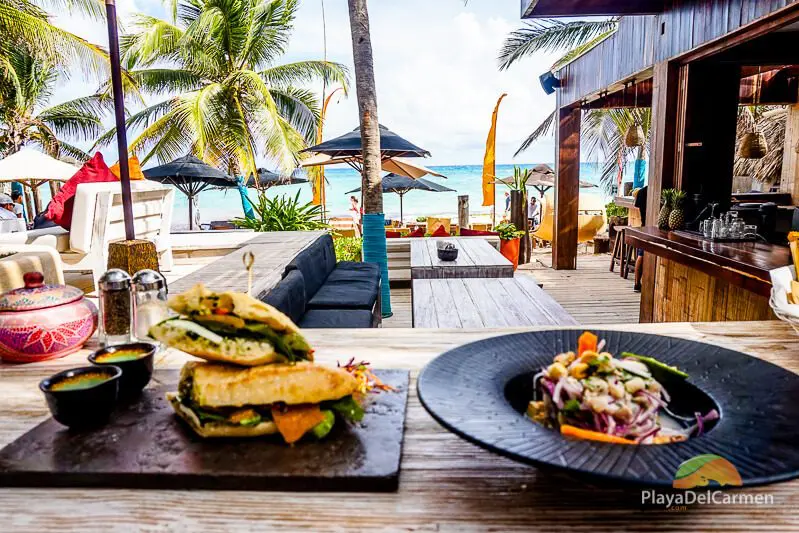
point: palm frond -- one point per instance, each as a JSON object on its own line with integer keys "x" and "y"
{"x": 301, "y": 109}
{"x": 547, "y": 127}
{"x": 94, "y": 9}
{"x": 306, "y": 72}
{"x": 577, "y": 51}
{"x": 164, "y": 80}
{"x": 549, "y": 35}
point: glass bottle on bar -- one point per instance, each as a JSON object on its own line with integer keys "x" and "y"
{"x": 116, "y": 309}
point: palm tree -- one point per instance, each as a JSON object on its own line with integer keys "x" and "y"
{"x": 230, "y": 100}
{"x": 26, "y": 118}
{"x": 25, "y": 24}
{"x": 371, "y": 184}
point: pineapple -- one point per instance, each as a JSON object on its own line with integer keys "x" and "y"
{"x": 677, "y": 216}
{"x": 665, "y": 211}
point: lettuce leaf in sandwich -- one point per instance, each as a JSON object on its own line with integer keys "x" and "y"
{"x": 232, "y": 328}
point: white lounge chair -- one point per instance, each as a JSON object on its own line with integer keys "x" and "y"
{"x": 98, "y": 220}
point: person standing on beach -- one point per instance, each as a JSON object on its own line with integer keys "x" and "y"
{"x": 532, "y": 212}
{"x": 356, "y": 212}
{"x": 507, "y": 204}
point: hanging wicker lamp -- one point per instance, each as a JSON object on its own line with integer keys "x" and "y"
{"x": 753, "y": 145}
{"x": 634, "y": 136}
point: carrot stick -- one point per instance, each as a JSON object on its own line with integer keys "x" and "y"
{"x": 585, "y": 434}
{"x": 587, "y": 341}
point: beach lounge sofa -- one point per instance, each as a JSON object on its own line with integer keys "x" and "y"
{"x": 97, "y": 220}
{"x": 318, "y": 292}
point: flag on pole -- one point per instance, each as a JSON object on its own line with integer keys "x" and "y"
{"x": 489, "y": 161}
{"x": 317, "y": 173}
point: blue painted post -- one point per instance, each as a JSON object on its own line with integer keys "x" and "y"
{"x": 374, "y": 251}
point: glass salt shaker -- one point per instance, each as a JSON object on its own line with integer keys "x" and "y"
{"x": 116, "y": 309}
{"x": 150, "y": 303}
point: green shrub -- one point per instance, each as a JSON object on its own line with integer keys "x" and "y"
{"x": 614, "y": 210}
{"x": 348, "y": 248}
{"x": 508, "y": 231}
{"x": 421, "y": 219}
{"x": 283, "y": 214}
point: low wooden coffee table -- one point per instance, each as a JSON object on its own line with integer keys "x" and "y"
{"x": 476, "y": 259}
{"x": 485, "y": 303}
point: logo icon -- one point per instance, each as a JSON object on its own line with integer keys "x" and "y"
{"x": 699, "y": 471}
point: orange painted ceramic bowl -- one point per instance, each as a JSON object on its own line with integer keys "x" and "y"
{"x": 40, "y": 322}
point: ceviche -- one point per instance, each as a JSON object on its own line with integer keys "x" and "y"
{"x": 590, "y": 394}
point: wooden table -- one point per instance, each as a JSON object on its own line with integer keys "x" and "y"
{"x": 446, "y": 483}
{"x": 476, "y": 259}
{"x": 485, "y": 303}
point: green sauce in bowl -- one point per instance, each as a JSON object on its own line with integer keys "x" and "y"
{"x": 80, "y": 381}
{"x": 120, "y": 356}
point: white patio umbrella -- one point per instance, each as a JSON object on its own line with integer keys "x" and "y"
{"x": 33, "y": 168}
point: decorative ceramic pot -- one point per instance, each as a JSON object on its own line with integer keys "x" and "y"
{"x": 40, "y": 322}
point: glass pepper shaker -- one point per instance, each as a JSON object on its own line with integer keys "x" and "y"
{"x": 116, "y": 309}
{"x": 150, "y": 302}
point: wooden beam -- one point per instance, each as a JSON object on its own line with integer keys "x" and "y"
{"x": 567, "y": 189}
{"x": 662, "y": 159}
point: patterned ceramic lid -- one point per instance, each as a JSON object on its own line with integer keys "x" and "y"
{"x": 37, "y": 295}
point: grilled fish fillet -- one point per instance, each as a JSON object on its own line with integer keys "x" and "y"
{"x": 236, "y": 350}
{"x": 199, "y": 300}
{"x": 217, "y": 429}
{"x": 214, "y": 385}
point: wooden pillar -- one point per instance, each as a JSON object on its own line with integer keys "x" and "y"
{"x": 518, "y": 216}
{"x": 463, "y": 211}
{"x": 567, "y": 189}
{"x": 37, "y": 201}
{"x": 667, "y": 107}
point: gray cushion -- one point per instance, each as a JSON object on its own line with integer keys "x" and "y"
{"x": 316, "y": 263}
{"x": 336, "y": 318}
{"x": 288, "y": 296}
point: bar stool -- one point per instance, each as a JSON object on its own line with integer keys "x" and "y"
{"x": 621, "y": 253}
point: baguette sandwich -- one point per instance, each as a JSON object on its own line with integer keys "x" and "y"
{"x": 291, "y": 399}
{"x": 232, "y": 328}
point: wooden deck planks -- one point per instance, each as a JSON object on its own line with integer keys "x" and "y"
{"x": 591, "y": 294}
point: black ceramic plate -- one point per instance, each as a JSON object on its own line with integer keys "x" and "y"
{"x": 479, "y": 391}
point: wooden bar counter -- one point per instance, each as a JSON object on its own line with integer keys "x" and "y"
{"x": 700, "y": 280}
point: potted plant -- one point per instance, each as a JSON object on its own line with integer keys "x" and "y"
{"x": 509, "y": 238}
{"x": 617, "y": 216}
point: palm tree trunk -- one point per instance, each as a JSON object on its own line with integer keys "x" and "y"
{"x": 367, "y": 106}
{"x": 374, "y": 242}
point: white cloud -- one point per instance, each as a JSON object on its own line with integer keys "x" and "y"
{"x": 436, "y": 73}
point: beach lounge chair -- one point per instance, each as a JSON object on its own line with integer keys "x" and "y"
{"x": 98, "y": 220}
{"x": 589, "y": 223}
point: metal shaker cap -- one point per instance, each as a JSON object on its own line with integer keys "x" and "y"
{"x": 114, "y": 280}
{"x": 148, "y": 280}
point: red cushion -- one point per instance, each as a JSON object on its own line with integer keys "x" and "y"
{"x": 393, "y": 235}
{"x": 418, "y": 232}
{"x": 440, "y": 232}
{"x": 466, "y": 232}
{"x": 93, "y": 171}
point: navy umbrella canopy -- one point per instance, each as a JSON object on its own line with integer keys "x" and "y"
{"x": 267, "y": 179}
{"x": 349, "y": 145}
{"x": 190, "y": 176}
{"x": 401, "y": 185}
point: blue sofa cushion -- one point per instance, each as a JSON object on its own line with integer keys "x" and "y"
{"x": 316, "y": 263}
{"x": 289, "y": 296}
{"x": 345, "y": 294}
{"x": 336, "y": 318}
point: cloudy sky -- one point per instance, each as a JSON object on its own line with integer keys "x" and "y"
{"x": 435, "y": 66}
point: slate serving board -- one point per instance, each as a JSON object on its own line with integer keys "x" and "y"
{"x": 146, "y": 446}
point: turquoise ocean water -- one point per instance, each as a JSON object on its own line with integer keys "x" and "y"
{"x": 465, "y": 179}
